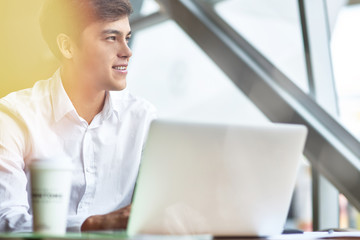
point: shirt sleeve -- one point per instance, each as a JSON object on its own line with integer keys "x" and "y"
{"x": 14, "y": 204}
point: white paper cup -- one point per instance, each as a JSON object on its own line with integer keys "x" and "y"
{"x": 50, "y": 194}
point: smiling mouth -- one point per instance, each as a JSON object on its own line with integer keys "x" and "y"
{"x": 121, "y": 68}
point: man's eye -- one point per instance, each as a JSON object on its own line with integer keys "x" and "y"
{"x": 128, "y": 38}
{"x": 112, "y": 38}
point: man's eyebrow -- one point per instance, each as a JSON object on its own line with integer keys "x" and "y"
{"x": 113, "y": 31}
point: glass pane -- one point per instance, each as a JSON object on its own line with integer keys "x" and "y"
{"x": 301, "y": 217}
{"x": 149, "y": 6}
{"x": 273, "y": 28}
{"x": 349, "y": 216}
{"x": 173, "y": 73}
{"x": 345, "y": 50}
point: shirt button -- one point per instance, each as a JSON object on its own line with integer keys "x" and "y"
{"x": 90, "y": 170}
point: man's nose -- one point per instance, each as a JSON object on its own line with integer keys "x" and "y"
{"x": 125, "y": 52}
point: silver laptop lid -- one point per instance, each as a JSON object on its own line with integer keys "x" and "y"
{"x": 216, "y": 179}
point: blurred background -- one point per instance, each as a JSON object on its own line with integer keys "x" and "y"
{"x": 305, "y": 49}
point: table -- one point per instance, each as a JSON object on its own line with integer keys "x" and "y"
{"x": 123, "y": 236}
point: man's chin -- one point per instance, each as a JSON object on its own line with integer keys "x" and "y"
{"x": 118, "y": 87}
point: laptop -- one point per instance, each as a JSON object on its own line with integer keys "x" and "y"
{"x": 222, "y": 180}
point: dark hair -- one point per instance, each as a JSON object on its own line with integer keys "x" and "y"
{"x": 72, "y": 16}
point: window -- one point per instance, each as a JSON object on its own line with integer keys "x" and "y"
{"x": 173, "y": 73}
{"x": 345, "y": 50}
{"x": 273, "y": 28}
{"x": 184, "y": 83}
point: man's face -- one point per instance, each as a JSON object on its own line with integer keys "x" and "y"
{"x": 102, "y": 54}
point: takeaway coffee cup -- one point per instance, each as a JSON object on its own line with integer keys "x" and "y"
{"x": 50, "y": 193}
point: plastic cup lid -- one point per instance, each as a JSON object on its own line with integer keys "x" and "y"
{"x": 53, "y": 163}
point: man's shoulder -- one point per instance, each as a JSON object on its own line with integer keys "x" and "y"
{"x": 25, "y": 100}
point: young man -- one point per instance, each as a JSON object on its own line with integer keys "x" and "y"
{"x": 83, "y": 113}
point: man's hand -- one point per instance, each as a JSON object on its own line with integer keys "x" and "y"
{"x": 114, "y": 220}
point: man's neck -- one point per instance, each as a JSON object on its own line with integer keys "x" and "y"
{"x": 87, "y": 100}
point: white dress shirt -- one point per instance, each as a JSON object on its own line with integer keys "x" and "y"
{"x": 42, "y": 123}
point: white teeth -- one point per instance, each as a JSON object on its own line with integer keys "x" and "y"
{"x": 120, "y": 67}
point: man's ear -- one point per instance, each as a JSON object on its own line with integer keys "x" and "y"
{"x": 65, "y": 45}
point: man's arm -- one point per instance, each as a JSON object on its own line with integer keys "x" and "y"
{"x": 14, "y": 205}
{"x": 114, "y": 220}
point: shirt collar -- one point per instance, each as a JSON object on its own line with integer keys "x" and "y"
{"x": 114, "y": 101}
{"x": 108, "y": 108}
{"x": 60, "y": 100}
{"x": 62, "y": 104}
